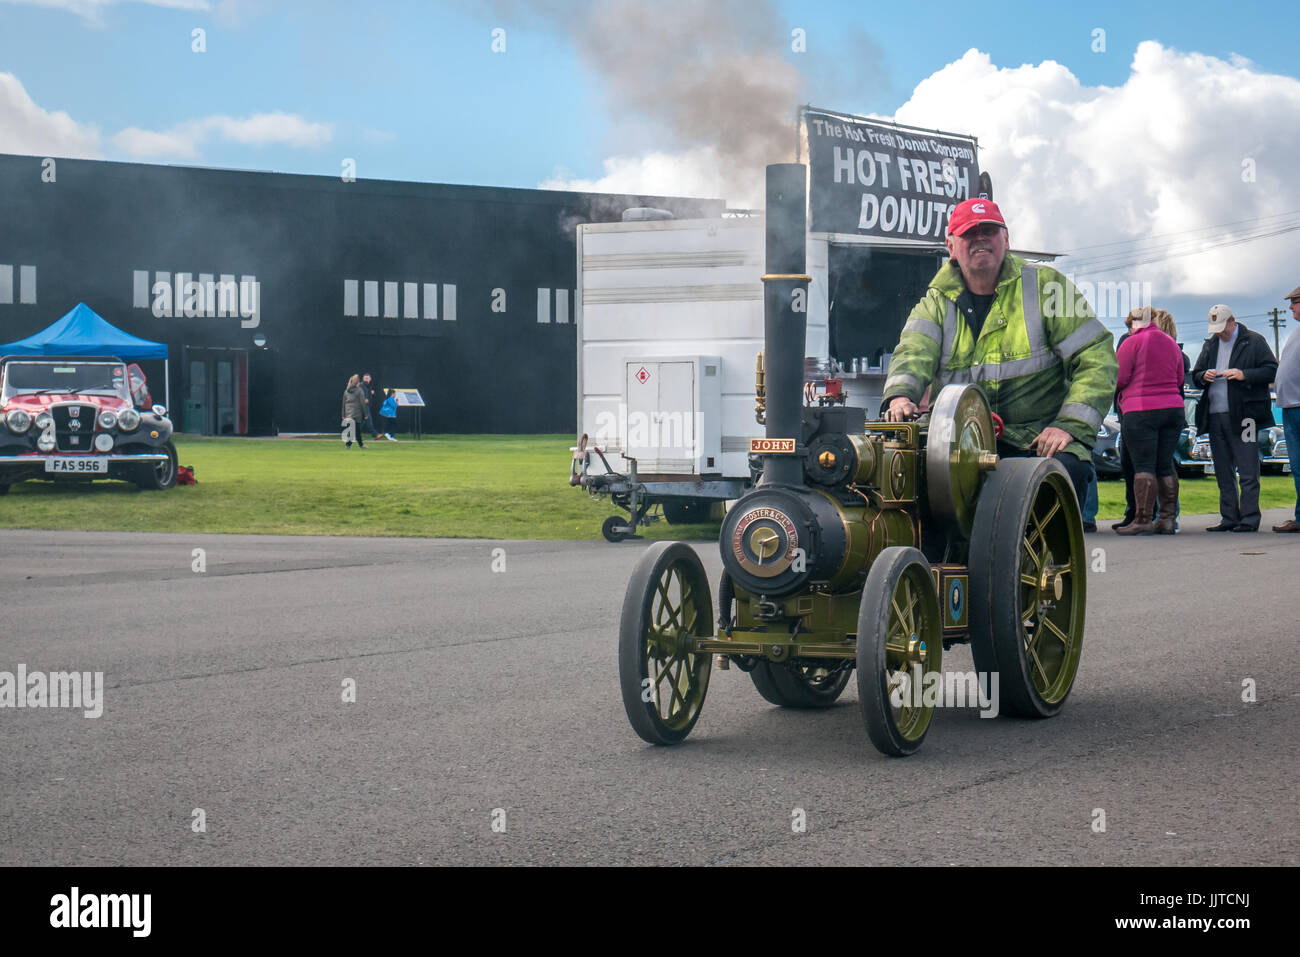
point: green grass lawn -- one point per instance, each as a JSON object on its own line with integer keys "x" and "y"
{"x": 1197, "y": 496}
{"x": 447, "y": 486}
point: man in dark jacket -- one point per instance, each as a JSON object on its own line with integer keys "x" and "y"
{"x": 368, "y": 396}
{"x": 1235, "y": 368}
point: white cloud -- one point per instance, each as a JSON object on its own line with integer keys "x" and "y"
{"x": 701, "y": 172}
{"x": 184, "y": 140}
{"x": 1074, "y": 165}
{"x": 93, "y": 10}
{"x": 27, "y": 129}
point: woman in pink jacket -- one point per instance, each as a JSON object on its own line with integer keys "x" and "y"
{"x": 1151, "y": 406}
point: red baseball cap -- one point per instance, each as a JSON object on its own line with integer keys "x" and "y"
{"x": 972, "y": 212}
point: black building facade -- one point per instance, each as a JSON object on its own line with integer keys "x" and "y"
{"x": 270, "y": 289}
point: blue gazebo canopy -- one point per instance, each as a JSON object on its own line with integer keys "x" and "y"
{"x": 83, "y": 332}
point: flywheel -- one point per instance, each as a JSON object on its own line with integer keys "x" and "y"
{"x": 960, "y": 447}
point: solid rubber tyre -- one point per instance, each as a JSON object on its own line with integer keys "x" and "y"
{"x": 611, "y": 528}
{"x": 688, "y": 512}
{"x": 1028, "y": 585}
{"x": 803, "y": 684}
{"x": 666, "y": 607}
{"x": 900, "y": 635}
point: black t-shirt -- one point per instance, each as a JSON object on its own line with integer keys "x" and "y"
{"x": 976, "y": 309}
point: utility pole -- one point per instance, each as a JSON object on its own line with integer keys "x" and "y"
{"x": 1277, "y": 323}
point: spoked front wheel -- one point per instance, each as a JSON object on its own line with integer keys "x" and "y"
{"x": 662, "y": 677}
{"x": 900, "y": 642}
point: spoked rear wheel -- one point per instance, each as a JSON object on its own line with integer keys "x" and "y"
{"x": 803, "y": 683}
{"x": 666, "y": 608}
{"x": 900, "y": 642}
{"x": 1028, "y": 581}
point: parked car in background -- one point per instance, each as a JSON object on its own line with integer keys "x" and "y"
{"x": 1193, "y": 455}
{"x": 1105, "y": 453}
{"x": 1272, "y": 445}
{"x": 75, "y": 419}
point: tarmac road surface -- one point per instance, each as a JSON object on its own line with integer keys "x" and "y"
{"x": 491, "y": 697}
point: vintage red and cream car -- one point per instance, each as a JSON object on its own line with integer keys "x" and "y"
{"x": 77, "y": 419}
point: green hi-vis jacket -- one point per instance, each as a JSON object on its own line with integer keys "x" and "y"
{"x": 1042, "y": 360}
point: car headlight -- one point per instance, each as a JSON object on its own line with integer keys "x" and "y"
{"x": 45, "y": 444}
{"x": 107, "y": 419}
{"x": 43, "y": 420}
{"x": 128, "y": 420}
{"x": 18, "y": 420}
{"x": 103, "y": 442}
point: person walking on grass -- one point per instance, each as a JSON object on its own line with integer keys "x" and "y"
{"x": 367, "y": 396}
{"x": 388, "y": 414}
{"x": 354, "y": 413}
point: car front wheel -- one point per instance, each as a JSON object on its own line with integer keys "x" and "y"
{"x": 159, "y": 476}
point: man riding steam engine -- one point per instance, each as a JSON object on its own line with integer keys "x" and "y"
{"x": 876, "y": 545}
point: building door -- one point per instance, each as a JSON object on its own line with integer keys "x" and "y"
{"x": 194, "y": 414}
{"x": 216, "y": 392}
{"x": 224, "y": 404}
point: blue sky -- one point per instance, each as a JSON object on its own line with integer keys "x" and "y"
{"x": 412, "y": 90}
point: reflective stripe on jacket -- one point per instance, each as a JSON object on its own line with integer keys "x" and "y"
{"x": 1042, "y": 360}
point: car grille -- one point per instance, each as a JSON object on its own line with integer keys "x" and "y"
{"x": 79, "y": 438}
{"x": 1201, "y": 450}
{"x": 1279, "y": 450}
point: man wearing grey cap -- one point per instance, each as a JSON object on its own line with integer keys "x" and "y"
{"x": 1288, "y": 400}
{"x": 1235, "y": 368}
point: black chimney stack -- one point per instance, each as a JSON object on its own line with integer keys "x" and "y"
{"x": 785, "y": 315}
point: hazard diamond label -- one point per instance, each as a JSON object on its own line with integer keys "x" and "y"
{"x": 643, "y": 375}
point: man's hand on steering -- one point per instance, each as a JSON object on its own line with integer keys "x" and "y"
{"x": 901, "y": 409}
{"x": 1050, "y": 441}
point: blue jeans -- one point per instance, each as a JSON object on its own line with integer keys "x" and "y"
{"x": 1090, "y": 501}
{"x": 1291, "y": 429}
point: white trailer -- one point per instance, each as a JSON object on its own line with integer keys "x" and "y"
{"x": 670, "y": 324}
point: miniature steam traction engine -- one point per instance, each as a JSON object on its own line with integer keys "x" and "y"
{"x": 875, "y": 544}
